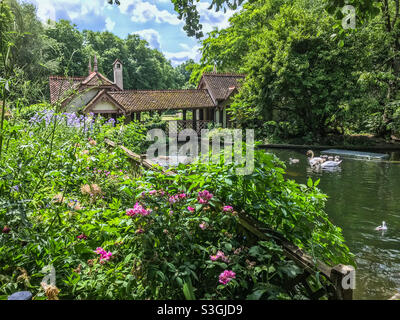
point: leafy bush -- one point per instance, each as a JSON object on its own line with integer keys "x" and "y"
{"x": 68, "y": 201}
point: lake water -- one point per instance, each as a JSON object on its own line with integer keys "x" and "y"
{"x": 361, "y": 195}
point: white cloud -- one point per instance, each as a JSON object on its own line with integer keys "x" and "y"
{"x": 151, "y": 36}
{"x": 75, "y": 8}
{"x": 186, "y": 54}
{"x": 210, "y": 19}
{"x": 109, "y": 24}
{"x": 45, "y": 10}
{"x": 143, "y": 11}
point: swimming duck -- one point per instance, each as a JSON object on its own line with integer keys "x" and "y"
{"x": 382, "y": 227}
{"x": 292, "y": 161}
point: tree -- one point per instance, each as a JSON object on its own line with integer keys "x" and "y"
{"x": 68, "y": 49}
{"x": 187, "y": 11}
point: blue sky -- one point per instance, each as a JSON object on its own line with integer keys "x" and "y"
{"x": 155, "y": 21}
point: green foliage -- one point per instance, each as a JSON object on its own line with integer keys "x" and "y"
{"x": 306, "y": 75}
{"x": 58, "y": 182}
{"x": 58, "y": 48}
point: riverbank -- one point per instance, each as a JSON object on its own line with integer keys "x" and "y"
{"x": 354, "y": 142}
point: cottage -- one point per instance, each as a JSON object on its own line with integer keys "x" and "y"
{"x": 99, "y": 95}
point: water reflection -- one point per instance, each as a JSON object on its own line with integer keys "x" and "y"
{"x": 361, "y": 194}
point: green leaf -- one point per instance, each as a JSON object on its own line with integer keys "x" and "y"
{"x": 188, "y": 290}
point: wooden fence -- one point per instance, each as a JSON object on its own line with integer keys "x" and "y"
{"x": 334, "y": 279}
{"x": 176, "y": 126}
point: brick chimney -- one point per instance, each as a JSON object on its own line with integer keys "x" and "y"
{"x": 118, "y": 76}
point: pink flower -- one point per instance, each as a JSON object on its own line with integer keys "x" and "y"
{"x": 138, "y": 209}
{"x": 152, "y": 192}
{"x": 6, "y": 230}
{"x": 82, "y": 236}
{"x": 226, "y": 276}
{"x": 202, "y": 201}
{"x": 191, "y": 209}
{"x": 173, "y": 199}
{"x": 104, "y": 255}
{"x": 202, "y": 226}
{"x": 204, "y": 196}
{"x": 140, "y": 230}
{"x": 220, "y": 255}
{"x": 227, "y": 208}
{"x": 182, "y": 195}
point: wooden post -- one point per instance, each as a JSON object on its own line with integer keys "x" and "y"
{"x": 194, "y": 119}
{"x": 138, "y": 116}
{"x": 184, "y": 115}
{"x": 201, "y": 114}
{"x": 343, "y": 278}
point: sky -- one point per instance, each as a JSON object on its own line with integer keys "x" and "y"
{"x": 154, "y": 20}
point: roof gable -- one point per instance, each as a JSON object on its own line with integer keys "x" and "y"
{"x": 221, "y": 85}
{"x": 103, "y": 95}
{"x": 97, "y": 79}
{"x": 59, "y": 86}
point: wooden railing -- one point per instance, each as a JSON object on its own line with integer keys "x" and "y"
{"x": 177, "y": 126}
{"x": 333, "y": 277}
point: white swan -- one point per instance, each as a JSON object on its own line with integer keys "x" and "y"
{"x": 382, "y": 227}
{"x": 330, "y": 164}
{"x": 314, "y": 160}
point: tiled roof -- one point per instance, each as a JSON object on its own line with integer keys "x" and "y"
{"x": 162, "y": 100}
{"x": 221, "y": 85}
{"x": 59, "y": 85}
